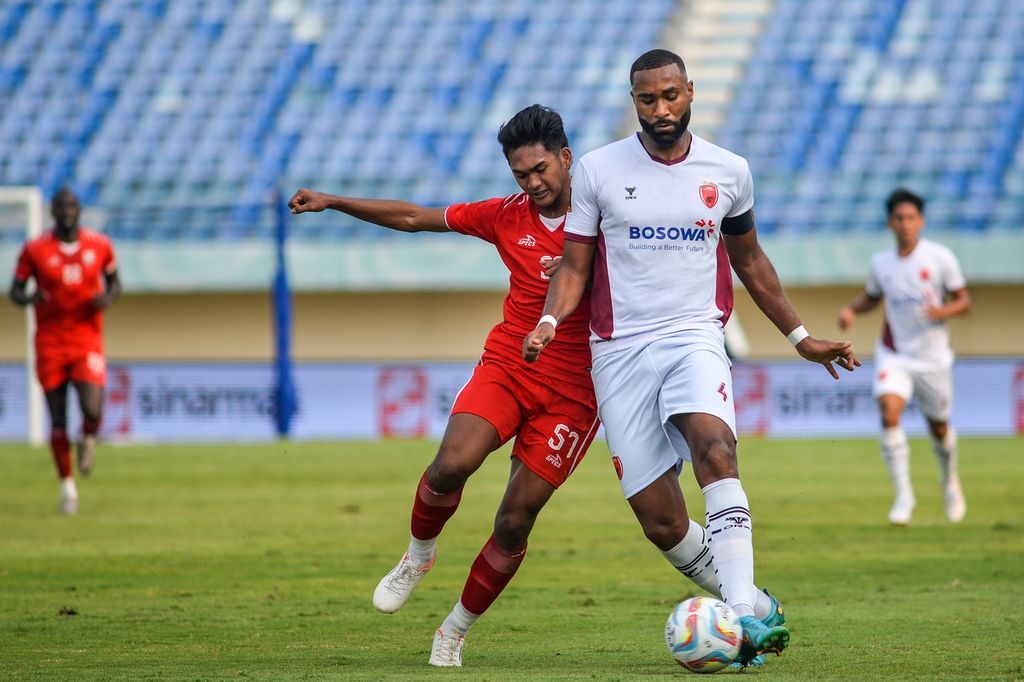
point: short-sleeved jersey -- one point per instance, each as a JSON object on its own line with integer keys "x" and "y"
{"x": 908, "y": 286}
{"x": 524, "y": 243}
{"x": 661, "y": 266}
{"x": 71, "y": 274}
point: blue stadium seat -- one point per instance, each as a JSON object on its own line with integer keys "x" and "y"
{"x": 862, "y": 89}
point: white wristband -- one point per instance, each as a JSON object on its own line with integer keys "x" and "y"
{"x": 550, "y": 319}
{"x": 797, "y": 335}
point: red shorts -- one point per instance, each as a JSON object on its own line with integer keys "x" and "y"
{"x": 553, "y": 422}
{"x": 57, "y": 366}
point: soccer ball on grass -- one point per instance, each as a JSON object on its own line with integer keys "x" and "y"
{"x": 703, "y": 634}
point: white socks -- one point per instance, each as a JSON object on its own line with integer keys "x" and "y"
{"x": 731, "y": 543}
{"x": 459, "y": 620}
{"x": 946, "y": 453}
{"x": 421, "y": 551}
{"x": 67, "y": 488}
{"x": 896, "y": 453}
{"x": 692, "y": 558}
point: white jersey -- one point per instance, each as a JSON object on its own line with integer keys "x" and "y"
{"x": 661, "y": 265}
{"x": 909, "y": 285}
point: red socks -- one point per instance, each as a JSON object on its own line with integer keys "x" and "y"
{"x": 431, "y": 510}
{"x": 491, "y": 572}
{"x": 61, "y": 448}
{"x": 90, "y": 427}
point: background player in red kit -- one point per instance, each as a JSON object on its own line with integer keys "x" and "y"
{"x": 552, "y": 415}
{"x": 76, "y": 279}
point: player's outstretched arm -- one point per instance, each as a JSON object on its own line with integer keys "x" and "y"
{"x": 396, "y": 215}
{"x": 564, "y": 293}
{"x": 858, "y": 306}
{"x": 762, "y": 282}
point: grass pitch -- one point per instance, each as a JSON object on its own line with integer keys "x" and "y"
{"x": 258, "y": 562}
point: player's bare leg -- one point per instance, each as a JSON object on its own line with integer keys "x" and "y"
{"x": 896, "y": 453}
{"x": 466, "y": 443}
{"x": 712, "y": 446}
{"x": 496, "y": 564}
{"x": 90, "y": 399}
{"x": 945, "y": 447}
{"x": 661, "y": 510}
{"x": 60, "y": 446}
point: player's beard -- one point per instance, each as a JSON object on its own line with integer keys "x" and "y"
{"x": 667, "y": 138}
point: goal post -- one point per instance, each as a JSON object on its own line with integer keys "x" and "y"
{"x": 21, "y": 208}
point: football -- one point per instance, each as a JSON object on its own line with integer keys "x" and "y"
{"x": 703, "y": 634}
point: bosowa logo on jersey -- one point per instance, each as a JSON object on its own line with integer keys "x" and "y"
{"x": 683, "y": 234}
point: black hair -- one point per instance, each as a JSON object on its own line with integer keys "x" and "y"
{"x": 63, "y": 193}
{"x": 655, "y": 59}
{"x": 903, "y": 195}
{"x": 535, "y": 124}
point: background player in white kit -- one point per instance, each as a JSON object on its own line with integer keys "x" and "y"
{"x": 913, "y": 355}
{"x": 654, "y": 208}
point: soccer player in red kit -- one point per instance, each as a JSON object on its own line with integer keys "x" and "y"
{"x": 75, "y": 273}
{"x": 552, "y": 414}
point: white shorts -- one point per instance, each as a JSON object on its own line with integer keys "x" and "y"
{"x": 640, "y": 387}
{"x": 932, "y": 389}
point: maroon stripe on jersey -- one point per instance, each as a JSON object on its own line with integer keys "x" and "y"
{"x": 723, "y": 283}
{"x": 887, "y": 339}
{"x": 581, "y": 238}
{"x": 602, "y": 319}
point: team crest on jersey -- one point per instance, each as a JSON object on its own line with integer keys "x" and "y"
{"x": 709, "y": 194}
{"x": 527, "y": 241}
{"x": 924, "y": 274}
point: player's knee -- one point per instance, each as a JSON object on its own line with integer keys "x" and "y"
{"x": 665, "y": 532}
{"x": 446, "y": 475}
{"x": 718, "y": 460}
{"x": 512, "y": 528}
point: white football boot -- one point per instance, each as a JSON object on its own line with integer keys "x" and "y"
{"x": 447, "y": 650}
{"x": 902, "y": 509}
{"x": 68, "y": 504}
{"x": 394, "y": 589}
{"x": 956, "y": 505}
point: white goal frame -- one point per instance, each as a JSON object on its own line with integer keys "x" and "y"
{"x": 32, "y": 199}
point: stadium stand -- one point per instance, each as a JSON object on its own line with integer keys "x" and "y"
{"x": 178, "y": 118}
{"x": 841, "y": 102}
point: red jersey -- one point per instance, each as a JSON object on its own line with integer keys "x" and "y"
{"x": 71, "y": 274}
{"x": 525, "y": 243}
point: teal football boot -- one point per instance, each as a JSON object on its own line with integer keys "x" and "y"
{"x": 776, "y": 618}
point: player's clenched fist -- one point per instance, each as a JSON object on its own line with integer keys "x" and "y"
{"x": 536, "y": 340}
{"x": 306, "y": 200}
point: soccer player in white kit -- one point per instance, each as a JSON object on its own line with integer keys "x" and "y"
{"x": 657, "y": 218}
{"x": 913, "y": 355}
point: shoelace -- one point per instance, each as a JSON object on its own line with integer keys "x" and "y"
{"x": 403, "y": 577}
{"x": 448, "y": 646}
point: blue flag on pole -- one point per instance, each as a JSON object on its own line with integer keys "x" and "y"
{"x": 285, "y": 397}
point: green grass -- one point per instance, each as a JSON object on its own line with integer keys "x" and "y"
{"x": 232, "y": 562}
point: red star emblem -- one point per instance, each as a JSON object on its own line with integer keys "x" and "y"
{"x": 924, "y": 273}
